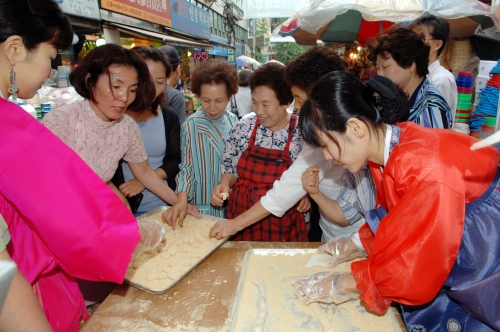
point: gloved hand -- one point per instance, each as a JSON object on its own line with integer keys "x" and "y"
{"x": 152, "y": 233}
{"x": 326, "y": 287}
{"x": 342, "y": 249}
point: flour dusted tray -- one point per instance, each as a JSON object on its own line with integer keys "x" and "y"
{"x": 278, "y": 268}
{"x": 181, "y": 251}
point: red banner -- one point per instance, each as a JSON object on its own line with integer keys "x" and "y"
{"x": 155, "y": 11}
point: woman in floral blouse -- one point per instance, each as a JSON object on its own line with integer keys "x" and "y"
{"x": 110, "y": 78}
{"x": 259, "y": 149}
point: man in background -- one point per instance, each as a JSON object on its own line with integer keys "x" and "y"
{"x": 436, "y": 31}
{"x": 175, "y": 97}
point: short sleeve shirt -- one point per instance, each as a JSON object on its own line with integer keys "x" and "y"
{"x": 101, "y": 144}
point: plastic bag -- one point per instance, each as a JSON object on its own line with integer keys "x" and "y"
{"x": 152, "y": 233}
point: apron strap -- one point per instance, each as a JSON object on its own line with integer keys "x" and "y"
{"x": 291, "y": 127}
{"x": 254, "y": 133}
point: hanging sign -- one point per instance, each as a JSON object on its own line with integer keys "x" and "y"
{"x": 190, "y": 18}
{"x": 155, "y": 11}
{"x": 272, "y": 8}
{"x": 230, "y": 55}
{"x": 203, "y": 56}
{"x": 84, "y": 8}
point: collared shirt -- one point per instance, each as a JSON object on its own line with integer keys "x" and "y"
{"x": 445, "y": 82}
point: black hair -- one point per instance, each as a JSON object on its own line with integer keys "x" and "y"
{"x": 439, "y": 28}
{"x": 244, "y": 77}
{"x": 317, "y": 61}
{"x": 404, "y": 45}
{"x": 154, "y": 54}
{"x": 36, "y": 22}
{"x": 97, "y": 62}
{"x": 339, "y": 96}
{"x": 271, "y": 75}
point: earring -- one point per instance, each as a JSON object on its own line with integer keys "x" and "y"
{"x": 13, "y": 89}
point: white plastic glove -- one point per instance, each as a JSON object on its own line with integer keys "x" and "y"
{"x": 326, "y": 287}
{"x": 342, "y": 249}
{"x": 152, "y": 233}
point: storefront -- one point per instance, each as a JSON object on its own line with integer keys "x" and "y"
{"x": 86, "y": 22}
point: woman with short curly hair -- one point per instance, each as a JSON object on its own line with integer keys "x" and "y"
{"x": 203, "y": 139}
{"x": 259, "y": 149}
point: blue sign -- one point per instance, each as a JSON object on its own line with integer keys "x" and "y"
{"x": 250, "y": 27}
{"x": 218, "y": 51}
{"x": 191, "y": 19}
{"x": 219, "y": 40}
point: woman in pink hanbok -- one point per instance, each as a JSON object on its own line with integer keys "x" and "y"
{"x": 64, "y": 221}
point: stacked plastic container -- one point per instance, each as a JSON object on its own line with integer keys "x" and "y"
{"x": 62, "y": 76}
{"x": 464, "y": 102}
{"x": 484, "y": 117}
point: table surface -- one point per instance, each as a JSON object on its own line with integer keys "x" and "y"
{"x": 202, "y": 301}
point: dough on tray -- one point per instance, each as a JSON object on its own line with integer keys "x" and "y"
{"x": 179, "y": 252}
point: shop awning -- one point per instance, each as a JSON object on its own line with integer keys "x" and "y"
{"x": 169, "y": 40}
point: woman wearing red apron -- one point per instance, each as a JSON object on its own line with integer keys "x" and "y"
{"x": 259, "y": 149}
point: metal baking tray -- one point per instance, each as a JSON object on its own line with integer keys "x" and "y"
{"x": 174, "y": 282}
{"x": 245, "y": 279}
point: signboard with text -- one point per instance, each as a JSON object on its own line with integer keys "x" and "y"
{"x": 272, "y": 8}
{"x": 155, "y": 11}
{"x": 191, "y": 19}
{"x": 85, "y": 8}
{"x": 230, "y": 56}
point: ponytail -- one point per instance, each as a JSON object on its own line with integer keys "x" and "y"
{"x": 339, "y": 96}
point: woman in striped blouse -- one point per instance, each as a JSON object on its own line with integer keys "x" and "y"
{"x": 203, "y": 139}
{"x": 402, "y": 56}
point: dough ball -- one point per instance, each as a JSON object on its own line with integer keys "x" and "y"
{"x": 167, "y": 269}
{"x": 186, "y": 240}
{"x": 165, "y": 255}
{"x": 191, "y": 240}
{"x": 179, "y": 243}
{"x": 162, "y": 275}
{"x": 159, "y": 269}
{"x": 225, "y": 196}
{"x": 136, "y": 264}
{"x": 196, "y": 244}
{"x": 173, "y": 262}
{"x": 183, "y": 255}
{"x": 199, "y": 238}
{"x": 151, "y": 276}
{"x": 172, "y": 250}
{"x": 173, "y": 275}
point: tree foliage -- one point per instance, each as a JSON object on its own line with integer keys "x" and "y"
{"x": 262, "y": 27}
{"x": 285, "y": 52}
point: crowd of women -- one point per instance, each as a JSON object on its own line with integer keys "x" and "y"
{"x": 373, "y": 152}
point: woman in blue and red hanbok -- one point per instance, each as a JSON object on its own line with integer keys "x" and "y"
{"x": 433, "y": 243}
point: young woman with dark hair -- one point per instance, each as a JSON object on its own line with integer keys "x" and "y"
{"x": 433, "y": 243}
{"x": 160, "y": 129}
{"x": 112, "y": 80}
{"x": 54, "y": 205}
{"x": 402, "y": 56}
